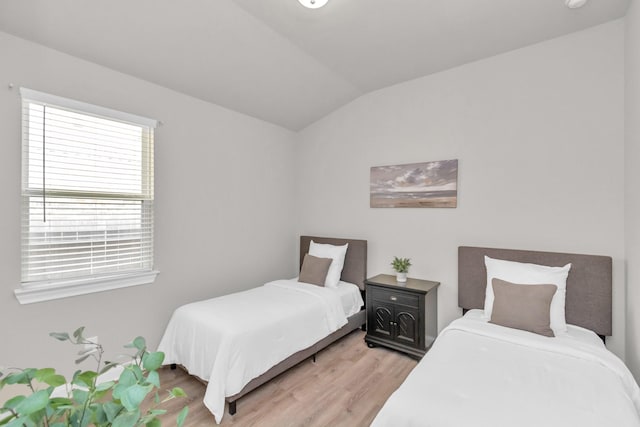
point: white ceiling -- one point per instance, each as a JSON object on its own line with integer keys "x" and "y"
{"x": 283, "y": 63}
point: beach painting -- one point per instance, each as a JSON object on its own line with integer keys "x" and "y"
{"x": 416, "y": 185}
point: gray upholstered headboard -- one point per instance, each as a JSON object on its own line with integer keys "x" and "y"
{"x": 355, "y": 262}
{"x": 588, "y": 302}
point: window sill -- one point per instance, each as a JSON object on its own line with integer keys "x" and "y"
{"x": 56, "y": 289}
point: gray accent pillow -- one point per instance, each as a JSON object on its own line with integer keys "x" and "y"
{"x": 314, "y": 270}
{"x": 525, "y": 307}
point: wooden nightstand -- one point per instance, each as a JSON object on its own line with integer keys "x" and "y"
{"x": 401, "y": 316}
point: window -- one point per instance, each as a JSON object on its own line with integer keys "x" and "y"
{"x": 87, "y": 198}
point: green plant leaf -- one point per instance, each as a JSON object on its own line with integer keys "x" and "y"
{"x": 61, "y": 403}
{"x": 83, "y": 358}
{"x": 49, "y": 376}
{"x": 127, "y": 377}
{"x": 21, "y": 377}
{"x": 13, "y": 402}
{"x": 182, "y": 416}
{"x": 61, "y": 336}
{"x": 132, "y": 397}
{"x": 177, "y": 392}
{"x": 98, "y": 416}
{"x": 80, "y": 396}
{"x": 34, "y": 403}
{"x": 136, "y": 371}
{"x": 107, "y": 367}
{"x": 126, "y": 419}
{"x": 111, "y": 410}
{"x": 152, "y": 361}
{"x": 138, "y": 343}
{"x": 17, "y": 422}
{"x": 85, "y": 378}
{"x": 90, "y": 349}
{"x": 154, "y": 423}
{"x": 154, "y": 378}
{"x": 78, "y": 332}
{"x": 105, "y": 386}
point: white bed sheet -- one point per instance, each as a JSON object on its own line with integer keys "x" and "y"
{"x": 350, "y": 297}
{"x": 480, "y": 374}
{"x": 232, "y": 339}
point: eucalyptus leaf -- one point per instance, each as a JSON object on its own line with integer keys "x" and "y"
{"x": 127, "y": 419}
{"x": 154, "y": 423}
{"x": 13, "y": 402}
{"x": 105, "y": 385}
{"x": 92, "y": 349}
{"x": 21, "y": 377}
{"x": 49, "y": 376}
{"x": 177, "y": 392}
{"x": 80, "y": 396}
{"x": 182, "y": 416}
{"x": 139, "y": 343}
{"x": 154, "y": 378}
{"x": 78, "y": 332}
{"x": 132, "y": 397}
{"x": 86, "y": 378}
{"x": 82, "y": 359}
{"x": 16, "y": 422}
{"x": 61, "y": 336}
{"x": 34, "y": 403}
{"x": 127, "y": 377}
{"x": 153, "y": 361}
{"x": 107, "y": 367}
{"x": 60, "y": 403}
{"x": 112, "y": 409}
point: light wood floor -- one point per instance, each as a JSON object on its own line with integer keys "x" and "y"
{"x": 346, "y": 386}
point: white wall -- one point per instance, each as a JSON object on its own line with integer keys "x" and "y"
{"x": 539, "y": 137}
{"x": 632, "y": 181}
{"x": 224, "y": 207}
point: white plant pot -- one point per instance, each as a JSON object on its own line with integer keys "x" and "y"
{"x": 401, "y": 277}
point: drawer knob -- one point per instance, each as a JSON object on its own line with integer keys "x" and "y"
{"x": 393, "y": 298}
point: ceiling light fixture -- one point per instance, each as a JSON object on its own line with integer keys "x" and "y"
{"x": 313, "y": 4}
{"x": 574, "y": 4}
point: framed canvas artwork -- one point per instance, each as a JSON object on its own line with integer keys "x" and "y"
{"x": 416, "y": 185}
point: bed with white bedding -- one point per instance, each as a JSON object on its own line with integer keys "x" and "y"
{"x": 480, "y": 372}
{"x": 239, "y": 341}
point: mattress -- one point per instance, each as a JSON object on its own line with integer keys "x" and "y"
{"x": 232, "y": 339}
{"x": 482, "y": 374}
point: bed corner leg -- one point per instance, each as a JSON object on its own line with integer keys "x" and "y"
{"x": 232, "y": 408}
{"x": 363, "y": 327}
{"x": 313, "y": 358}
{"x": 173, "y": 366}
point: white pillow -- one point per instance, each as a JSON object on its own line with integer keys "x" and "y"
{"x": 530, "y": 274}
{"x": 337, "y": 254}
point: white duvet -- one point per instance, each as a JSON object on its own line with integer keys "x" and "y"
{"x": 232, "y": 339}
{"x": 480, "y": 374}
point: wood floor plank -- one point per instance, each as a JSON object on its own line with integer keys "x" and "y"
{"x": 346, "y": 386}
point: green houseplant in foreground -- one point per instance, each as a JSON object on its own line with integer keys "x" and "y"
{"x": 88, "y": 400}
{"x": 401, "y": 266}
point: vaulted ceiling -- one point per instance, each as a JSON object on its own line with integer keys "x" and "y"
{"x": 280, "y": 62}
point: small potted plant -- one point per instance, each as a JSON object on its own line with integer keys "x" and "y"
{"x": 401, "y": 266}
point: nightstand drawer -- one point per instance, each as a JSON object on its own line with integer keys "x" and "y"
{"x": 395, "y": 297}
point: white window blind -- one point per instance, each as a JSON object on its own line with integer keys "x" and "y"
{"x": 87, "y": 191}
